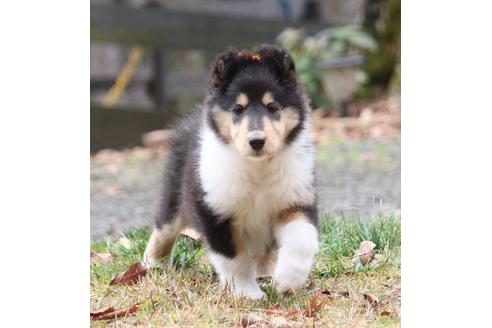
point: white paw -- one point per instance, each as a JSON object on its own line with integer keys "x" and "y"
{"x": 290, "y": 281}
{"x": 291, "y": 275}
{"x": 247, "y": 288}
{"x": 251, "y": 293}
{"x": 298, "y": 242}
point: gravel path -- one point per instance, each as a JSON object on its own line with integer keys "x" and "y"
{"x": 355, "y": 179}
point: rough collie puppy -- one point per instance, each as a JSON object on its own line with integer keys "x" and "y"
{"x": 240, "y": 171}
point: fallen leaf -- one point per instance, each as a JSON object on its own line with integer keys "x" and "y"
{"x": 289, "y": 314}
{"x": 365, "y": 251}
{"x": 154, "y": 298}
{"x": 111, "y": 191}
{"x": 373, "y": 300}
{"x": 125, "y": 242}
{"x": 101, "y": 257}
{"x": 252, "y": 320}
{"x": 316, "y": 303}
{"x": 107, "y": 155}
{"x": 157, "y": 138}
{"x": 328, "y": 293}
{"x": 292, "y": 313}
{"x": 112, "y": 169}
{"x": 281, "y": 322}
{"x": 332, "y": 294}
{"x": 95, "y": 315}
{"x": 130, "y": 276}
{"x": 344, "y": 294}
{"x": 388, "y": 313}
{"x": 112, "y": 313}
{"x": 273, "y": 310}
{"x": 359, "y": 322}
{"x": 193, "y": 234}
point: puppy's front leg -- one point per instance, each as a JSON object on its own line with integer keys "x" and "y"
{"x": 238, "y": 273}
{"x": 297, "y": 238}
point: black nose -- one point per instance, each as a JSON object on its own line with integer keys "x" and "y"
{"x": 257, "y": 143}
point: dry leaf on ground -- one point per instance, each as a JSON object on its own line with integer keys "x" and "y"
{"x": 111, "y": 191}
{"x": 365, "y": 251}
{"x": 389, "y": 313}
{"x": 125, "y": 242}
{"x": 105, "y": 258}
{"x": 130, "y": 276}
{"x": 281, "y": 322}
{"x": 112, "y": 313}
{"x": 333, "y": 294}
{"x": 253, "y": 321}
{"x": 373, "y": 300}
{"x": 359, "y": 322}
{"x": 292, "y": 313}
{"x": 316, "y": 303}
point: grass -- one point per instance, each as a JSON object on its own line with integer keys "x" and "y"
{"x": 189, "y": 296}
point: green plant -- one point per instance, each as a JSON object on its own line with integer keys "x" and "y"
{"x": 326, "y": 44}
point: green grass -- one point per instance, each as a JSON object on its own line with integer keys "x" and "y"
{"x": 189, "y": 295}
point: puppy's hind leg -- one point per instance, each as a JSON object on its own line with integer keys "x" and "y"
{"x": 169, "y": 222}
{"x": 161, "y": 242}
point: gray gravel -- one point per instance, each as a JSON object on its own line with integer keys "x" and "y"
{"x": 356, "y": 179}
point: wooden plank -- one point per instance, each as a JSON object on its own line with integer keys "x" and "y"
{"x": 123, "y": 127}
{"x": 175, "y": 30}
{"x": 159, "y": 81}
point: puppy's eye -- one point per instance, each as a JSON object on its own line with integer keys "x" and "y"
{"x": 272, "y": 107}
{"x": 237, "y": 109}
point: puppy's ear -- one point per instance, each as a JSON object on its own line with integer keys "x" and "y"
{"x": 283, "y": 62}
{"x": 220, "y": 69}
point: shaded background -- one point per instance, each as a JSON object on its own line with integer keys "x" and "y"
{"x": 150, "y": 62}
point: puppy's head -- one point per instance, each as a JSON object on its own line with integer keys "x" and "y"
{"x": 255, "y": 102}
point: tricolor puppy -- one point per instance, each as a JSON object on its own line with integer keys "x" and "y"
{"x": 240, "y": 171}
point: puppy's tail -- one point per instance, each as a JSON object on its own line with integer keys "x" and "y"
{"x": 161, "y": 242}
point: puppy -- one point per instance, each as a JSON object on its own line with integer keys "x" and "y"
{"x": 241, "y": 172}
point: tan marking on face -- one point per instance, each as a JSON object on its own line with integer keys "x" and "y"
{"x": 242, "y": 99}
{"x": 239, "y": 133}
{"x": 276, "y": 131}
{"x": 290, "y": 119}
{"x": 273, "y": 135}
{"x": 267, "y": 98}
{"x": 223, "y": 120}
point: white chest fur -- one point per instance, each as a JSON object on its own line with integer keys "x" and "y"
{"x": 254, "y": 192}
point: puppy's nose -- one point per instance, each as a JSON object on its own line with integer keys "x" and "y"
{"x": 257, "y": 143}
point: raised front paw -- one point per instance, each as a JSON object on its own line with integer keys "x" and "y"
{"x": 291, "y": 276}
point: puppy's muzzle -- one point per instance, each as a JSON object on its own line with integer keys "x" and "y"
{"x": 256, "y": 140}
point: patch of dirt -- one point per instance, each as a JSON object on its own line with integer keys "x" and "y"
{"x": 379, "y": 120}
